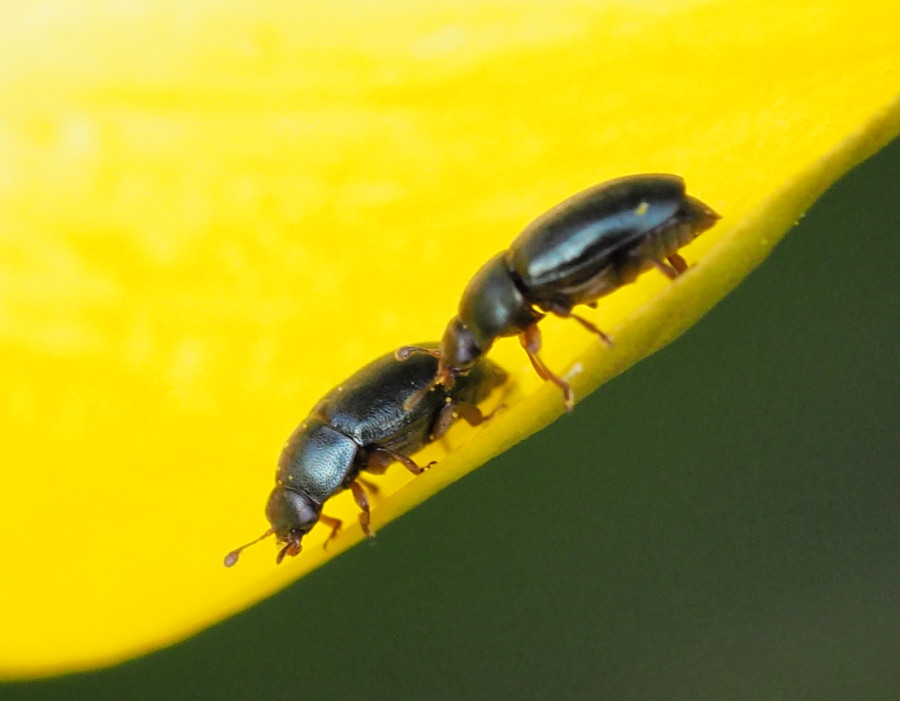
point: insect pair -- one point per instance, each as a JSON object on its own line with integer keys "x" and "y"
{"x": 579, "y": 251}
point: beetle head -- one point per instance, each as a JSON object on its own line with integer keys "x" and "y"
{"x": 459, "y": 353}
{"x": 292, "y": 514}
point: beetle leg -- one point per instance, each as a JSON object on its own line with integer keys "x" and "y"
{"x": 530, "y": 339}
{"x": 369, "y": 484}
{"x": 404, "y": 460}
{"x": 565, "y": 312}
{"x": 442, "y": 422}
{"x": 472, "y": 414}
{"x": 593, "y": 329}
{"x": 377, "y": 462}
{"x": 666, "y": 270}
{"x": 335, "y": 524}
{"x": 362, "y": 501}
{"x": 679, "y": 263}
{"x": 469, "y": 412}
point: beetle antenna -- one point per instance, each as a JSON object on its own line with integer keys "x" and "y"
{"x": 232, "y": 557}
{"x": 403, "y": 352}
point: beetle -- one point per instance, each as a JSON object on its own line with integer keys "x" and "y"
{"x": 364, "y": 424}
{"x": 584, "y": 248}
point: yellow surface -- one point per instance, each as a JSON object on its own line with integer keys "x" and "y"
{"x": 213, "y": 212}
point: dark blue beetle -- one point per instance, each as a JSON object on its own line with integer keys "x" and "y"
{"x": 582, "y": 249}
{"x": 365, "y": 424}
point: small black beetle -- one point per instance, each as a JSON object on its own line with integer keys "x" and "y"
{"x": 363, "y": 424}
{"x": 579, "y": 251}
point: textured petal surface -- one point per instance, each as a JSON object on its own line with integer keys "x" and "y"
{"x": 210, "y": 215}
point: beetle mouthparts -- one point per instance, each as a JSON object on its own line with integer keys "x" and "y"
{"x": 293, "y": 549}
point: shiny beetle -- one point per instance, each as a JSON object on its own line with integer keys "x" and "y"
{"x": 579, "y": 251}
{"x": 364, "y": 424}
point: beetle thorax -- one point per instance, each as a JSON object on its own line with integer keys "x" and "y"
{"x": 492, "y": 304}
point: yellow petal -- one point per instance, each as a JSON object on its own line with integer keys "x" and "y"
{"x": 211, "y": 216}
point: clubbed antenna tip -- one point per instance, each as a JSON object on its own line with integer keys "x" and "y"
{"x": 232, "y": 557}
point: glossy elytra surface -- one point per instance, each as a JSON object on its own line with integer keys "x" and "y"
{"x": 603, "y": 237}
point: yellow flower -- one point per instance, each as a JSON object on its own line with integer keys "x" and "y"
{"x": 210, "y": 214}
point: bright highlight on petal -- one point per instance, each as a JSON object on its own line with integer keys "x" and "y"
{"x": 212, "y": 214}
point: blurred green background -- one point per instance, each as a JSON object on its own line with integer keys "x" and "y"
{"x": 722, "y": 521}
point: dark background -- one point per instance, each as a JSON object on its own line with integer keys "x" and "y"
{"x": 722, "y": 521}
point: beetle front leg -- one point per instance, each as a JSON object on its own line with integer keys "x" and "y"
{"x": 530, "y": 339}
{"x": 442, "y": 423}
